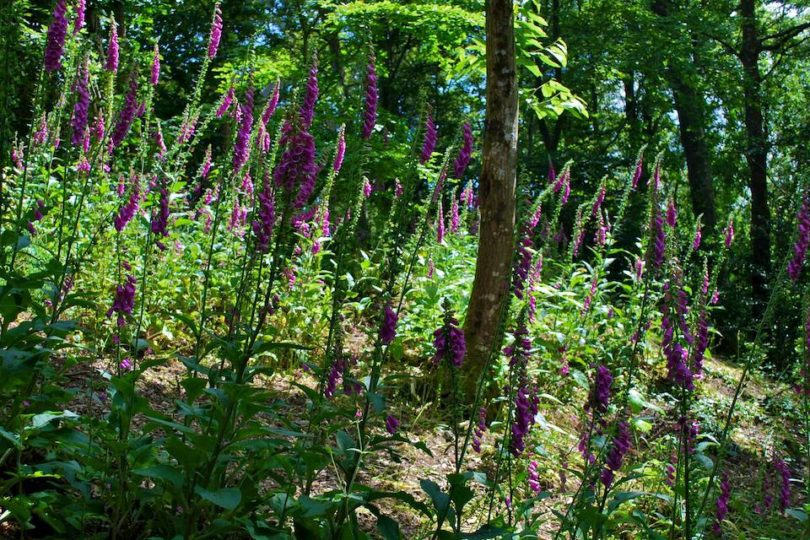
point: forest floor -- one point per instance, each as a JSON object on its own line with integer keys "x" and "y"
{"x": 759, "y": 423}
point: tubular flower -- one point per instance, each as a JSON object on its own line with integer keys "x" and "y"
{"x": 480, "y": 429}
{"x": 722, "y": 505}
{"x": 449, "y": 342}
{"x": 296, "y": 169}
{"x": 78, "y": 24}
{"x": 637, "y": 171}
{"x": 124, "y": 301}
{"x": 429, "y": 143}
{"x": 702, "y": 343}
{"x": 391, "y": 424}
{"x": 310, "y": 97}
{"x": 335, "y": 374}
{"x": 525, "y": 410}
{"x": 784, "y": 489}
{"x": 216, "y": 32}
{"x": 57, "y": 31}
{"x": 533, "y": 477}
{"x": 454, "y": 216}
{"x": 160, "y": 219}
{"x": 272, "y": 104}
{"x": 698, "y": 237}
{"x": 613, "y": 462}
{"x": 597, "y": 204}
{"x": 367, "y": 188}
{"x": 41, "y": 135}
{"x": 127, "y": 114}
{"x": 440, "y": 224}
{"x": 586, "y": 304}
{"x": 111, "y": 64}
{"x": 536, "y": 215}
{"x": 518, "y": 352}
{"x": 241, "y": 148}
{"x": 155, "y": 75}
{"x": 398, "y": 189}
{"x": 225, "y": 104}
{"x": 729, "y": 233}
{"x": 161, "y": 144}
{"x": 600, "y": 393}
{"x": 672, "y": 214}
{"x": 340, "y": 152}
{"x": 370, "y": 112}
{"x": 522, "y": 266}
{"x": 802, "y": 241}
{"x": 465, "y": 152}
{"x": 263, "y": 226}
{"x": 129, "y": 208}
{"x": 388, "y": 330}
{"x": 206, "y": 166}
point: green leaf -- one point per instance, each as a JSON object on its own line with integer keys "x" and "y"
{"x": 227, "y": 498}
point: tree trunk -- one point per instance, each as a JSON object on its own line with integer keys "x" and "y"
{"x": 691, "y": 122}
{"x": 497, "y": 189}
{"x": 756, "y": 155}
{"x": 689, "y": 105}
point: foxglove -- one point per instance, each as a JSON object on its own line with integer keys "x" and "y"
{"x": 794, "y": 268}
{"x": 464, "y": 153}
{"x": 57, "y": 31}
{"x": 429, "y": 143}
{"x": 216, "y": 32}
{"x": 370, "y": 112}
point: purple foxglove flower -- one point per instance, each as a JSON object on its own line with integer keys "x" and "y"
{"x": 794, "y": 268}
{"x": 340, "y": 151}
{"x": 127, "y": 114}
{"x": 672, "y": 214}
{"x": 637, "y": 171}
{"x": 161, "y": 144}
{"x": 586, "y": 304}
{"x": 398, "y": 189}
{"x": 41, "y": 135}
{"x": 721, "y": 505}
{"x": 310, "y": 97}
{"x": 784, "y": 489}
{"x": 370, "y": 112}
{"x": 57, "y": 31}
{"x": 600, "y": 393}
{"x": 533, "y": 477}
{"x": 388, "y": 329}
{"x": 111, "y": 64}
{"x": 677, "y": 367}
{"x": 449, "y": 342}
{"x": 160, "y": 219}
{"x": 155, "y": 76}
{"x": 597, "y": 204}
{"x": 702, "y": 343}
{"x": 655, "y": 181}
{"x": 518, "y": 352}
{"x": 729, "y": 232}
{"x": 431, "y": 268}
{"x": 98, "y": 127}
{"x": 698, "y": 237}
{"x": 454, "y": 216}
{"x": 216, "y": 32}
{"x": 391, "y": 424}
{"x": 335, "y": 374}
{"x": 124, "y": 301}
{"x": 241, "y": 148}
{"x": 266, "y": 211}
{"x": 464, "y": 153}
{"x": 126, "y": 364}
{"x": 552, "y": 174}
{"x": 522, "y": 266}
{"x": 129, "y": 208}
{"x": 613, "y": 462}
{"x": 78, "y": 24}
{"x": 206, "y": 166}
{"x": 272, "y": 103}
{"x": 225, "y": 104}
{"x": 523, "y": 414}
{"x": 440, "y": 224}
{"x": 567, "y": 187}
{"x": 367, "y": 189}
{"x": 429, "y": 143}
{"x": 247, "y": 184}
{"x": 296, "y": 169}
{"x": 534, "y": 220}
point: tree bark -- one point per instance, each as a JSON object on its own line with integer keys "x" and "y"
{"x": 689, "y": 104}
{"x": 691, "y": 123}
{"x": 497, "y": 189}
{"x": 756, "y": 155}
